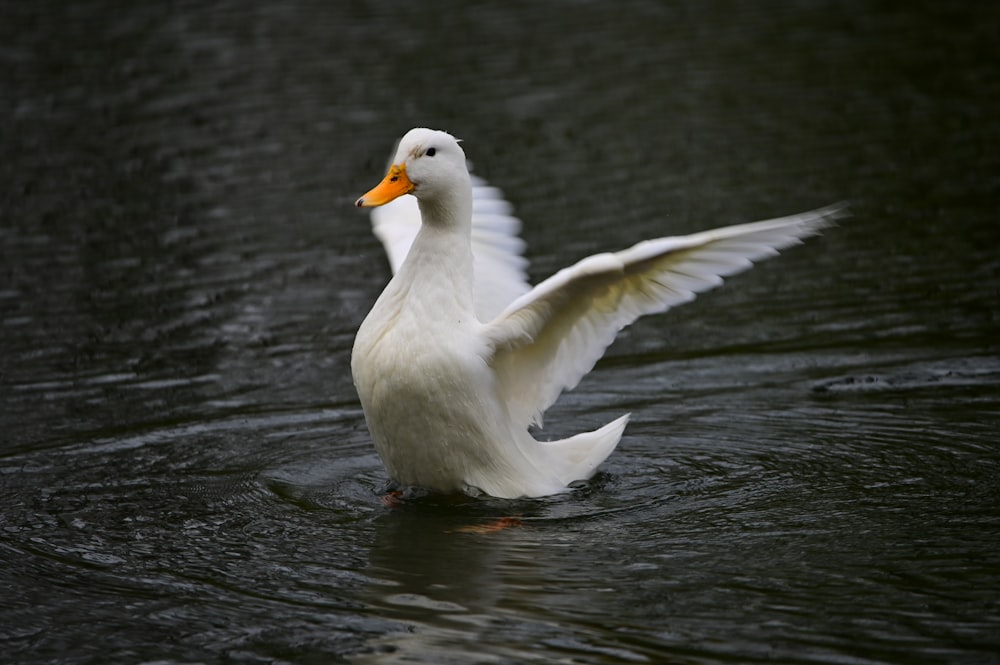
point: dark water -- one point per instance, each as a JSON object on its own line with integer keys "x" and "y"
{"x": 812, "y": 473}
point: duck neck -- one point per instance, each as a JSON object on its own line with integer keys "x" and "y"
{"x": 440, "y": 260}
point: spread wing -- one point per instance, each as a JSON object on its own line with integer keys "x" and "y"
{"x": 496, "y": 247}
{"x": 548, "y": 339}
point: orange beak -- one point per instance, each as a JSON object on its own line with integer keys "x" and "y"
{"x": 394, "y": 185}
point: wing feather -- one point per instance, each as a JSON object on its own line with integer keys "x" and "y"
{"x": 549, "y": 338}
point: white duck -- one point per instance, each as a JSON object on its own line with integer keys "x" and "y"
{"x": 459, "y": 355}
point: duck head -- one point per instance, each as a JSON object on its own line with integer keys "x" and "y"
{"x": 427, "y": 163}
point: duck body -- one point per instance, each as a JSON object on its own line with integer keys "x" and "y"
{"x": 421, "y": 366}
{"x": 448, "y": 392}
{"x": 435, "y": 413}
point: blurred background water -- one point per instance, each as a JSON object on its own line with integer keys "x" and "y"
{"x": 811, "y": 472}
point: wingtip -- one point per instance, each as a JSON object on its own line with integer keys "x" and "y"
{"x": 814, "y": 221}
{"x": 834, "y": 212}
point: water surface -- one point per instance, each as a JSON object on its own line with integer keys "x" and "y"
{"x": 811, "y": 471}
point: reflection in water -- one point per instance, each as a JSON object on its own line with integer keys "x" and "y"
{"x": 480, "y": 597}
{"x": 185, "y": 475}
{"x": 443, "y": 587}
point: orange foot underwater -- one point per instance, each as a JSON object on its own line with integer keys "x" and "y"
{"x": 492, "y": 527}
{"x": 393, "y": 499}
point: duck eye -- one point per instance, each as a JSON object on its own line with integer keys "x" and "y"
{"x": 431, "y": 152}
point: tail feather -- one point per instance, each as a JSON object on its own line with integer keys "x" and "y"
{"x": 577, "y": 457}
